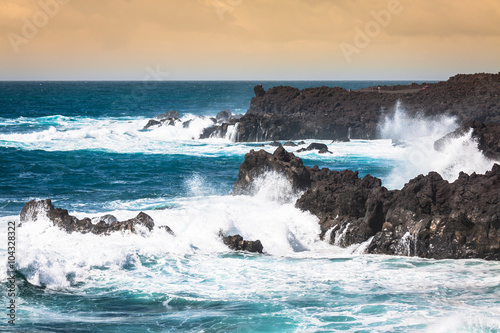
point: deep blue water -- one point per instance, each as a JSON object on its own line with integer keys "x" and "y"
{"x": 90, "y": 176}
{"x": 82, "y": 145}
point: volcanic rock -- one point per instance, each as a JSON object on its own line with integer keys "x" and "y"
{"x": 429, "y": 217}
{"x": 41, "y": 209}
{"x": 223, "y": 116}
{"x": 169, "y": 118}
{"x": 324, "y": 113}
{"x": 260, "y": 162}
{"x": 321, "y": 147}
{"x": 237, "y": 243}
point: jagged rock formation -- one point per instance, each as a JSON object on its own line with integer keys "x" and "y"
{"x": 237, "y": 243}
{"x": 286, "y": 113}
{"x": 220, "y": 124}
{"x": 257, "y": 163}
{"x": 429, "y": 217}
{"x": 169, "y": 118}
{"x": 107, "y": 224}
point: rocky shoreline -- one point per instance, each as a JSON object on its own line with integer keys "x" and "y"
{"x": 429, "y": 217}
{"x": 36, "y": 210}
{"x": 324, "y": 113}
{"x": 286, "y": 113}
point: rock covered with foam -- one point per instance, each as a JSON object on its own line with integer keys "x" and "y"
{"x": 260, "y": 162}
{"x": 43, "y": 209}
{"x": 429, "y": 217}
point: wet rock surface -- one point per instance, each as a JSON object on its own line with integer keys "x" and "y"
{"x": 40, "y": 209}
{"x": 286, "y": 113}
{"x": 237, "y": 243}
{"x": 320, "y": 147}
{"x": 429, "y": 217}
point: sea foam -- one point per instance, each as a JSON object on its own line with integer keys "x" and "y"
{"x": 416, "y": 137}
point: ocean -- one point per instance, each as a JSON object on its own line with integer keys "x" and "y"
{"x": 82, "y": 144}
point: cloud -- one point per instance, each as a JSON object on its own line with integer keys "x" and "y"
{"x": 260, "y": 37}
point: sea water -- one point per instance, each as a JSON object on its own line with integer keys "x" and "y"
{"x": 82, "y": 144}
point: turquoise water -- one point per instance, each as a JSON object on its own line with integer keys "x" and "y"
{"x": 82, "y": 145}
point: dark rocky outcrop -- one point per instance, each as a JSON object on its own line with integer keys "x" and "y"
{"x": 223, "y": 116}
{"x": 321, "y": 147}
{"x": 35, "y": 210}
{"x": 429, "y": 217}
{"x": 237, "y": 243}
{"x": 257, "y": 163}
{"x": 486, "y": 135}
{"x": 218, "y": 130}
{"x": 168, "y": 118}
{"x": 286, "y": 113}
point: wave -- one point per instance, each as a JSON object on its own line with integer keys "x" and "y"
{"x": 415, "y": 135}
{"x": 58, "y": 260}
{"x": 122, "y": 135}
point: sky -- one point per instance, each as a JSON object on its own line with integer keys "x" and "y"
{"x": 247, "y": 39}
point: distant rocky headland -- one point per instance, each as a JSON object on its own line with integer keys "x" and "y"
{"x": 287, "y": 113}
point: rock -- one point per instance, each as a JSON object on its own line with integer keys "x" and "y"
{"x": 107, "y": 219}
{"x": 290, "y": 144}
{"x": 223, "y": 116}
{"x": 301, "y": 143}
{"x": 275, "y": 144}
{"x": 237, "y": 243}
{"x": 324, "y": 113}
{"x": 344, "y": 139}
{"x": 322, "y": 148}
{"x": 168, "y": 115}
{"x": 43, "y": 209}
{"x": 429, "y": 217}
{"x": 324, "y": 151}
{"x": 151, "y": 123}
{"x": 209, "y": 131}
{"x": 167, "y": 229}
{"x": 257, "y": 163}
{"x": 259, "y": 91}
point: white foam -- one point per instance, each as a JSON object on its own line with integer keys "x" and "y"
{"x": 417, "y": 155}
{"x": 401, "y": 126}
{"x": 122, "y": 135}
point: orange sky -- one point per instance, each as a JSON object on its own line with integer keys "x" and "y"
{"x": 247, "y": 39}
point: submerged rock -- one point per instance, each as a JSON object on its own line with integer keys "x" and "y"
{"x": 237, "y": 243}
{"x": 43, "y": 209}
{"x": 429, "y": 217}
